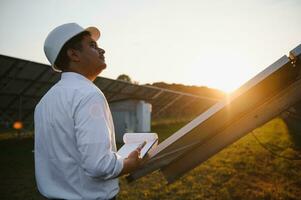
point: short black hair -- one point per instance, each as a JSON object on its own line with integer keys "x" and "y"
{"x": 62, "y": 61}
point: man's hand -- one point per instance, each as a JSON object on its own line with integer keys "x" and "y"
{"x": 132, "y": 162}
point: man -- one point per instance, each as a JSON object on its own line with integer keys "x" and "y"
{"x": 75, "y": 150}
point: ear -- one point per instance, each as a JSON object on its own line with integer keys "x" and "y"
{"x": 73, "y": 55}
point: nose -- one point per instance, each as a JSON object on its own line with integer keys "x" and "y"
{"x": 101, "y": 51}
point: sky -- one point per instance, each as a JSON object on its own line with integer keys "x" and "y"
{"x": 218, "y": 44}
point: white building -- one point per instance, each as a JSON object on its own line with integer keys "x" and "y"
{"x": 131, "y": 116}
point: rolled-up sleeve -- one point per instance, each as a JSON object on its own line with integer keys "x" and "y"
{"x": 93, "y": 138}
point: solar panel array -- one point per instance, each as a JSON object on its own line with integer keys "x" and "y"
{"x": 23, "y": 83}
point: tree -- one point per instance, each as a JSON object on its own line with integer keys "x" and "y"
{"x": 124, "y": 77}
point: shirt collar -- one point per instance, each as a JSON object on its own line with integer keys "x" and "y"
{"x": 73, "y": 75}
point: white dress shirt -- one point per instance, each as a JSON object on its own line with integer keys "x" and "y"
{"x": 75, "y": 149}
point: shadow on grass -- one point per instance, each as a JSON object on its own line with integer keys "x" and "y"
{"x": 17, "y": 169}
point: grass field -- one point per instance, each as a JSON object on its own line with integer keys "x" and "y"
{"x": 244, "y": 170}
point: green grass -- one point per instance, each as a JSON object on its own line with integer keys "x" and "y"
{"x": 244, "y": 170}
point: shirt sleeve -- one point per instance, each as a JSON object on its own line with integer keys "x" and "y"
{"x": 92, "y": 130}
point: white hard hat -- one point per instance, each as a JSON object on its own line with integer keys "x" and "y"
{"x": 60, "y": 35}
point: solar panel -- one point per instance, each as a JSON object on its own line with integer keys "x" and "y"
{"x": 23, "y": 83}
{"x": 265, "y": 96}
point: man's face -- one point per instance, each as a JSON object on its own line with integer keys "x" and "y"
{"x": 91, "y": 56}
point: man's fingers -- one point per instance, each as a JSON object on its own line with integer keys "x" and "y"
{"x": 134, "y": 154}
{"x": 141, "y": 145}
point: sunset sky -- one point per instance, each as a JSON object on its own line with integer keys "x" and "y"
{"x": 219, "y": 44}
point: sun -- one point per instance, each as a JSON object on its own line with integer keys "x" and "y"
{"x": 229, "y": 87}
{"x": 226, "y": 72}
{"x": 230, "y": 79}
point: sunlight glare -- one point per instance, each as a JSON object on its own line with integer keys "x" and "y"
{"x": 226, "y": 72}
